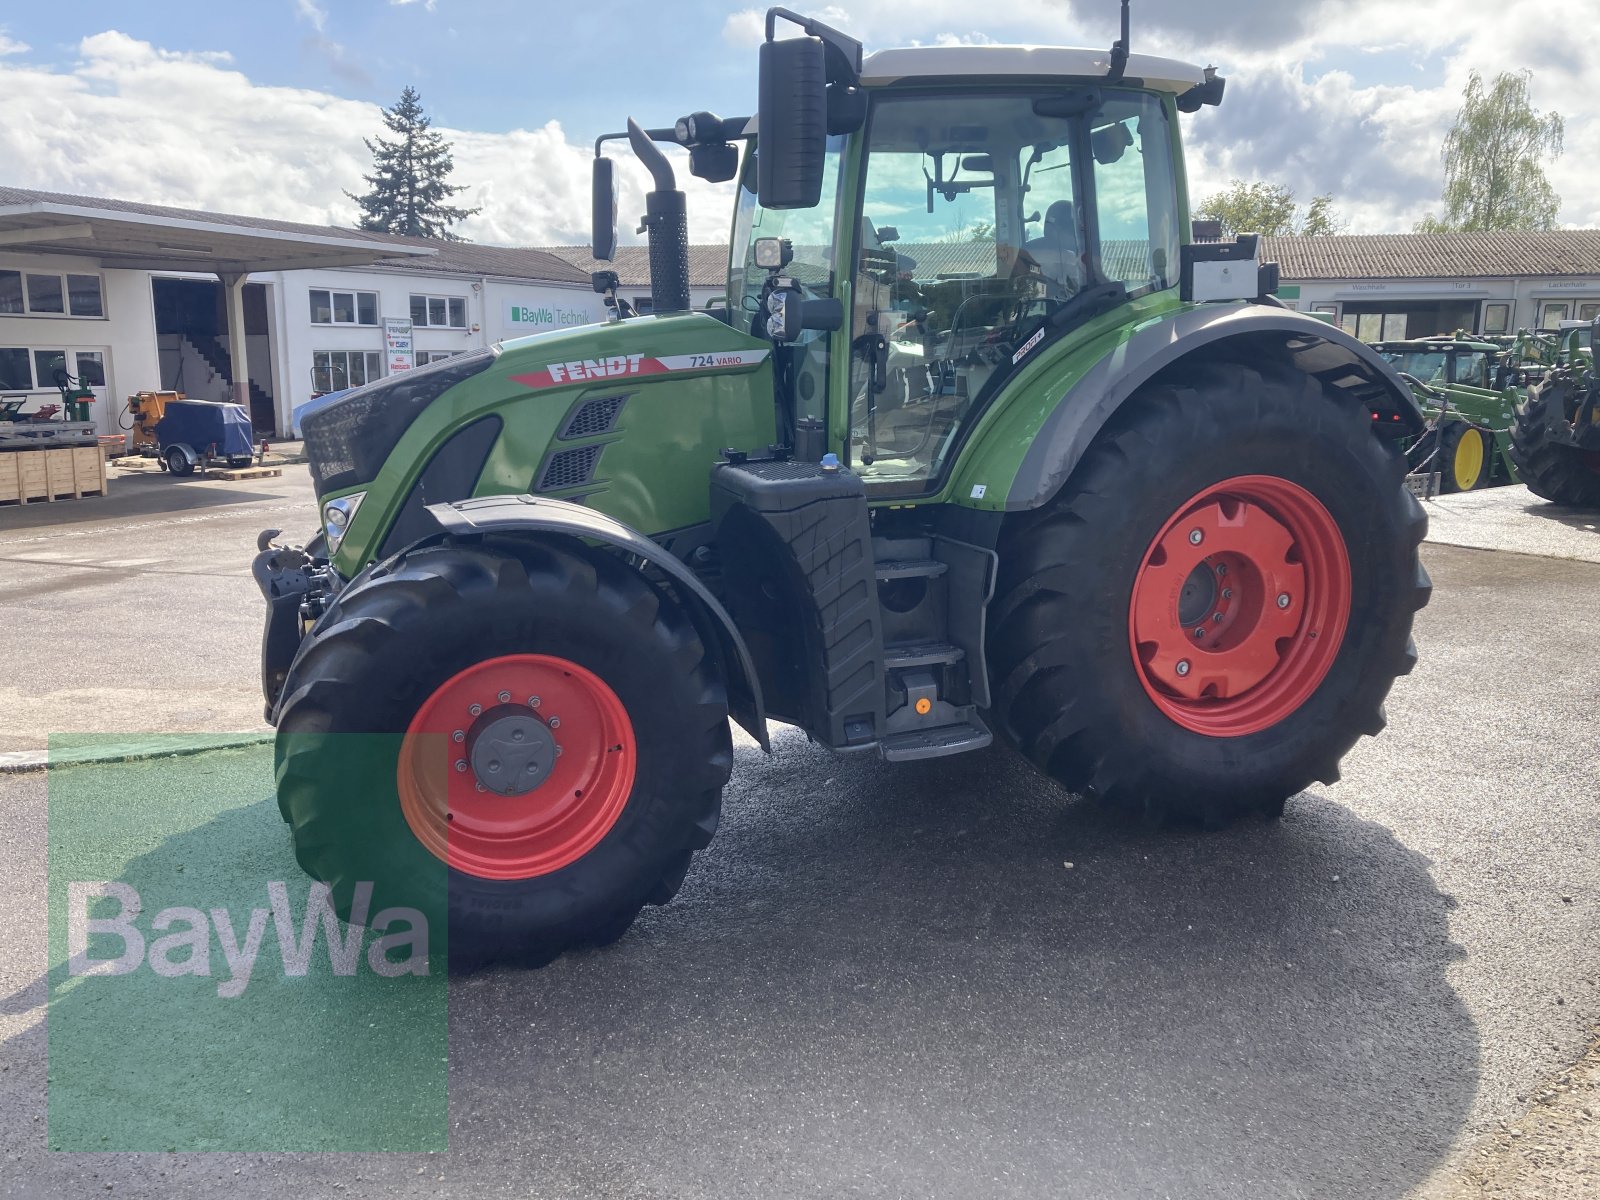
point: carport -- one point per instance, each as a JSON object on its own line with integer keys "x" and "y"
{"x": 150, "y": 238}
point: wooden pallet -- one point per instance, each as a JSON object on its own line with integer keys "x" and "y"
{"x": 248, "y": 472}
{"x": 67, "y": 473}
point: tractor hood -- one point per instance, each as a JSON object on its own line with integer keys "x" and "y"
{"x": 348, "y": 442}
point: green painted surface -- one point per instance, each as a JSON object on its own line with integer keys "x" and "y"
{"x": 653, "y": 472}
{"x": 146, "y": 1061}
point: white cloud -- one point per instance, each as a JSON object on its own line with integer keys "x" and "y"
{"x": 313, "y": 12}
{"x": 135, "y": 122}
{"x": 427, "y": 4}
{"x": 1353, "y": 101}
{"x": 10, "y": 45}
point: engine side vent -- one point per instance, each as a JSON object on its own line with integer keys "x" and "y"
{"x": 591, "y": 418}
{"x": 568, "y": 468}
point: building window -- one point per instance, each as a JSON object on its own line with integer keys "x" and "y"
{"x": 16, "y": 373}
{"x": 445, "y": 312}
{"x": 343, "y": 308}
{"x": 335, "y": 370}
{"x": 1497, "y": 318}
{"x": 49, "y": 295}
{"x": 1588, "y": 312}
{"x": 91, "y": 368}
{"x": 1552, "y": 313}
{"x": 45, "y": 365}
{"x": 45, "y": 294}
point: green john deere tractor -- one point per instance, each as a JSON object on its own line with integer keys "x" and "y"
{"x": 1555, "y": 441}
{"x": 1121, "y": 509}
{"x": 1468, "y": 395}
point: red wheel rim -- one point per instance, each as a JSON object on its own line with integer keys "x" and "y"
{"x": 582, "y": 769}
{"x": 1240, "y": 606}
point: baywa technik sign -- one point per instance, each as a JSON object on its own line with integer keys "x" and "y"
{"x": 547, "y": 316}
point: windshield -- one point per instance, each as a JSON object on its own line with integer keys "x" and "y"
{"x": 810, "y": 230}
{"x": 1426, "y": 365}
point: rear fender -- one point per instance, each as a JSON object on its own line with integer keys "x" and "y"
{"x": 534, "y": 514}
{"x": 1247, "y": 334}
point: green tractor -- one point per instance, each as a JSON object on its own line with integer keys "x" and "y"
{"x": 1555, "y": 441}
{"x": 1122, "y": 510}
{"x": 1469, "y": 396}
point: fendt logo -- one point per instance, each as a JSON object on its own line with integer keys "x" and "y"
{"x": 584, "y": 369}
{"x": 185, "y": 947}
{"x": 595, "y": 368}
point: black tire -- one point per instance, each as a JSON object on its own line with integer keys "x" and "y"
{"x": 178, "y": 462}
{"x": 1066, "y": 689}
{"x": 1555, "y": 472}
{"x": 394, "y": 635}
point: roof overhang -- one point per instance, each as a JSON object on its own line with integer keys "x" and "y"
{"x": 1030, "y": 62}
{"x": 144, "y": 242}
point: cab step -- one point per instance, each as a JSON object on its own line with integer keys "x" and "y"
{"x": 901, "y": 656}
{"x": 910, "y": 568}
{"x": 936, "y": 742}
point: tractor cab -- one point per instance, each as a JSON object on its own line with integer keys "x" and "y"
{"x": 1446, "y": 361}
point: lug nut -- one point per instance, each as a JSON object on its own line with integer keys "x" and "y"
{"x": 504, "y": 696}
{"x": 1283, "y": 599}
{"x": 1200, "y": 631}
{"x": 481, "y": 788}
{"x": 461, "y": 766}
{"x": 1227, "y": 593}
{"x": 533, "y": 702}
{"x": 475, "y": 709}
{"x": 555, "y": 722}
{"x": 1183, "y": 666}
{"x": 458, "y": 736}
{"x": 558, "y": 751}
{"x": 1196, "y": 537}
{"x": 1216, "y": 616}
{"x": 1222, "y": 569}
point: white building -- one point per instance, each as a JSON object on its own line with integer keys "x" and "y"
{"x": 1381, "y": 287}
{"x": 135, "y": 297}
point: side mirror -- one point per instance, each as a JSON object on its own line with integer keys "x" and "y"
{"x": 792, "y": 123}
{"x": 603, "y": 230}
{"x": 1208, "y": 92}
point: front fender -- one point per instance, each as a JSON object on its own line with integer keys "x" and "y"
{"x": 536, "y": 514}
{"x": 1242, "y": 333}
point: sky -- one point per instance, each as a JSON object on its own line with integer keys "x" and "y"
{"x": 261, "y": 108}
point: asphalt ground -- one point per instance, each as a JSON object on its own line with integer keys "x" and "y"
{"x": 878, "y": 981}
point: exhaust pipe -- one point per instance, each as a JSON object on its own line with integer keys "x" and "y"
{"x": 666, "y": 223}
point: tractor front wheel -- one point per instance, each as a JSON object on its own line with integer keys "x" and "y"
{"x": 523, "y": 739}
{"x": 1212, "y": 610}
{"x": 1554, "y": 471}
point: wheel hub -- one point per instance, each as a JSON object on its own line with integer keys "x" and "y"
{"x": 1240, "y": 605}
{"x": 512, "y": 751}
{"x": 516, "y": 766}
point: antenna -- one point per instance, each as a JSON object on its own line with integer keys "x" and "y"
{"x": 1119, "y": 50}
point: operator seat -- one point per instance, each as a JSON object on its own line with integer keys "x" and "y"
{"x": 1057, "y": 253}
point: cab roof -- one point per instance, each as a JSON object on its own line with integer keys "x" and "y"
{"x": 1033, "y": 62}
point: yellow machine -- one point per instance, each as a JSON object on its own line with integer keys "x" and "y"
{"x": 148, "y": 408}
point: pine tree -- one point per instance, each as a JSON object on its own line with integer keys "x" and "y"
{"x": 409, "y": 187}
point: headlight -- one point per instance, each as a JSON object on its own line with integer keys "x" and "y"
{"x": 337, "y": 515}
{"x": 773, "y": 254}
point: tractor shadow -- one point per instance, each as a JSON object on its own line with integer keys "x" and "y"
{"x": 1585, "y": 519}
{"x": 889, "y": 981}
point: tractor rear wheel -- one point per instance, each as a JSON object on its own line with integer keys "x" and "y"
{"x": 1212, "y": 610}
{"x": 1556, "y": 472}
{"x": 525, "y": 739}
